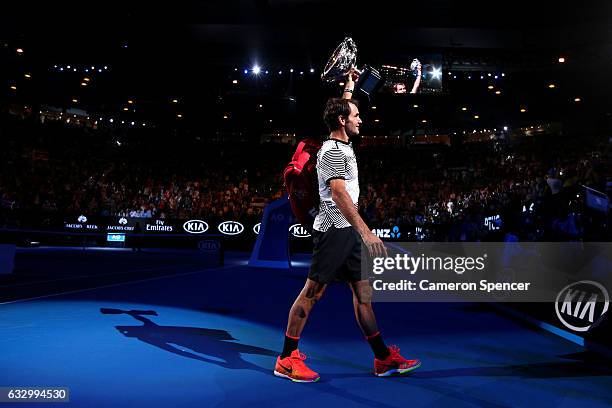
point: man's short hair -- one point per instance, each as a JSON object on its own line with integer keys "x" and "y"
{"x": 337, "y": 107}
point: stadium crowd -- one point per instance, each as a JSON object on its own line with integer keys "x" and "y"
{"x": 52, "y": 169}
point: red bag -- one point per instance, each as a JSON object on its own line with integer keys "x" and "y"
{"x": 300, "y": 177}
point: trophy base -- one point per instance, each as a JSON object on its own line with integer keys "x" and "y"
{"x": 370, "y": 81}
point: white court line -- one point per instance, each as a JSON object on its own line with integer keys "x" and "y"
{"x": 116, "y": 284}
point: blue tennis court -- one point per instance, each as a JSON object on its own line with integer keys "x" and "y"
{"x": 191, "y": 335}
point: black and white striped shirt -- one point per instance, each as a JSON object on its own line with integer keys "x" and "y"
{"x": 335, "y": 160}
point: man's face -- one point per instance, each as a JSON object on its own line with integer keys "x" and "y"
{"x": 353, "y": 121}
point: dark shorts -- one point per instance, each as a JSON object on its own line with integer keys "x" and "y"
{"x": 336, "y": 255}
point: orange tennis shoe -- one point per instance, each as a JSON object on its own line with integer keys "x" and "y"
{"x": 294, "y": 368}
{"x": 394, "y": 364}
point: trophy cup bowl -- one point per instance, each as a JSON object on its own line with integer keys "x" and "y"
{"x": 342, "y": 60}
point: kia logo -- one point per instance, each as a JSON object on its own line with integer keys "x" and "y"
{"x": 231, "y": 228}
{"x": 298, "y": 231}
{"x": 256, "y": 228}
{"x": 578, "y": 305}
{"x": 195, "y": 226}
{"x": 209, "y": 246}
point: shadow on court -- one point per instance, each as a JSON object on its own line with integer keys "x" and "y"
{"x": 212, "y": 346}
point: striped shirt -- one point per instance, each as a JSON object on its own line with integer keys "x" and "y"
{"x": 335, "y": 160}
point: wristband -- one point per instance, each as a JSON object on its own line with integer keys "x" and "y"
{"x": 348, "y": 90}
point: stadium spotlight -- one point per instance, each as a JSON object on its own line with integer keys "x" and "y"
{"x": 505, "y": 128}
{"x": 311, "y": 70}
{"x": 562, "y": 59}
{"x": 256, "y": 69}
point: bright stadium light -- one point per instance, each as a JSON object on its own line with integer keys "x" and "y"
{"x": 256, "y": 69}
{"x": 437, "y": 73}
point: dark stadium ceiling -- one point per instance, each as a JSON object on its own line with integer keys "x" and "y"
{"x": 159, "y": 50}
{"x": 287, "y": 27}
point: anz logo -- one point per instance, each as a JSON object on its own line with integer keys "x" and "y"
{"x": 298, "y": 231}
{"x": 82, "y": 218}
{"x": 123, "y": 221}
{"x": 256, "y": 228}
{"x": 231, "y": 228}
{"x": 578, "y": 305}
{"x": 387, "y": 232}
{"x": 195, "y": 226}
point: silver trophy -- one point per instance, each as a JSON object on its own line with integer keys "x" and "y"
{"x": 342, "y": 60}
